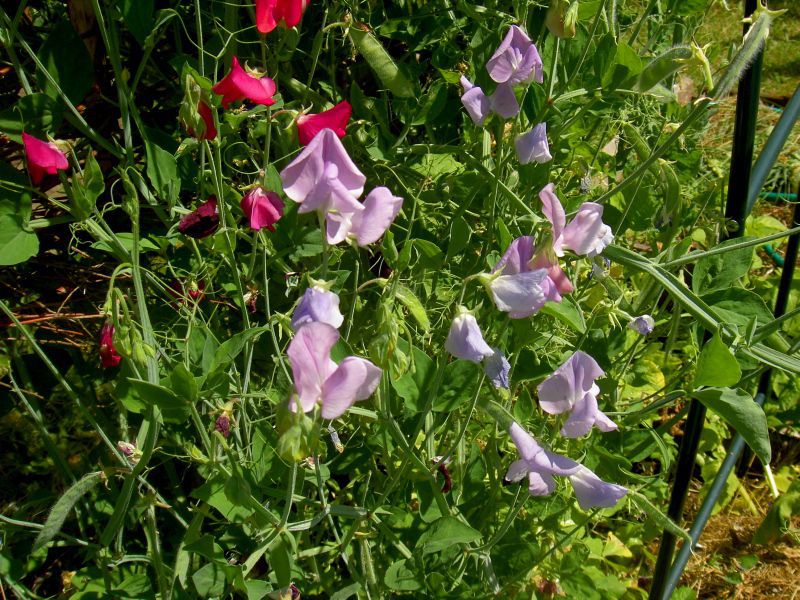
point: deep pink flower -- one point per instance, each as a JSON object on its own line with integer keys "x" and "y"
{"x": 335, "y": 118}
{"x": 223, "y": 425}
{"x": 205, "y": 113}
{"x": 43, "y": 158}
{"x": 202, "y": 222}
{"x": 571, "y": 388}
{"x": 319, "y": 380}
{"x": 262, "y": 208}
{"x": 108, "y": 353}
{"x": 516, "y": 59}
{"x": 271, "y": 12}
{"x": 238, "y": 85}
{"x": 585, "y": 235}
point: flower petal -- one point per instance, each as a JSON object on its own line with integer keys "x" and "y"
{"x": 318, "y": 305}
{"x": 517, "y": 257}
{"x": 586, "y": 234}
{"x": 496, "y": 367}
{"x": 380, "y": 209}
{"x": 43, "y": 158}
{"x": 554, "y": 211}
{"x": 335, "y": 119}
{"x": 540, "y": 484}
{"x": 475, "y": 101}
{"x": 519, "y": 295}
{"x": 517, "y": 470}
{"x": 354, "y": 379}
{"x": 593, "y": 492}
{"x": 465, "y": 339}
{"x": 532, "y": 146}
{"x": 504, "y": 102}
{"x": 309, "y": 354}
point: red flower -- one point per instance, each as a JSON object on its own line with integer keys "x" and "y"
{"x": 205, "y": 113}
{"x": 202, "y": 222}
{"x": 240, "y": 85}
{"x": 270, "y": 12}
{"x": 335, "y": 118}
{"x": 43, "y": 158}
{"x": 195, "y": 290}
{"x": 262, "y": 208}
{"x": 108, "y": 354}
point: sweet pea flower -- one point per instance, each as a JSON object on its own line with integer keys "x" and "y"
{"x": 209, "y": 131}
{"x": 262, "y": 208}
{"x": 108, "y": 353}
{"x": 319, "y": 380}
{"x": 643, "y": 325}
{"x": 271, "y": 12}
{"x": 541, "y": 465}
{"x": 318, "y": 305}
{"x": 335, "y": 118}
{"x": 238, "y": 85}
{"x": 503, "y": 102}
{"x": 44, "y": 158}
{"x": 324, "y": 178}
{"x": 572, "y": 388}
{"x": 475, "y": 101}
{"x": 465, "y": 341}
{"x": 516, "y": 60}
{"x": 532, "y": 146}
{"x": 201, "y": 222}
{"x": 519, "y": 295}
{"x": 586, "y": 234}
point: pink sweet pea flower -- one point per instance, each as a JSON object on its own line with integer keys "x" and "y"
{"x": 319, "y": 380}
{"x": 516, "y": 60}
{"x": 324, "y": 178}
{"x": 532, "y": 146}
{"x": 262, "y": 208}
{"x": 335, "y": 118}
{"x": 238, "y": 85}
{"x": 271, "y": 12}
{"x": 318, "y": 305}
{"x": 205, "y": 113}
{"x": 43, "y": 158}
{"x": 586, "y": 234}
{"x": 572, "y": 388}
{"x": 540, "y": 465}
{"x": 108, "y": 353}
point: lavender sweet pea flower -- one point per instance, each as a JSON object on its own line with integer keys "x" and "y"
{"x": 539, "y": 464}
{"x": 516, "y": 60}
{"x": 380, "y": 209}
{"x": 520, "y": 295}
{"x": 475, "y": 101}
{"x": 593, "y": 492}
{"x": 532, "y": 146}
{"x": 319, "y": 380}
{"x": 318, "y": 305}
{"x": 643, "y": 325}
{"x": 572, "y": 388}
{"x": 465, "y": 339}
{"x": 504, "y": 102}
{"x": 586, "y": 234}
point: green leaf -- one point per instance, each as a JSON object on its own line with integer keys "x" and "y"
{"x": 567, "y": 312}
{"x": 209, "y": 580}
{"x": 183, "y": 383}
{"x": 658, "y": 517}
{"x": 231, "y": 348}
{"x": 720, "y": 271}
{"x": 36, "y": 112}
{"x": 742, "y": 413}
{"x": 162, "y": 171}
{"x": 444, "y": 533}
{"x": 66, "y": 59}
{"x": 16, "y": 243}
{"x": 381, "y": 63}
{"x": 138, "y": 16}
{"x": 61, "y": 509}
{"x": 172, "y": 407}
{"x": 411, "y": 384}
{"x": 460, "y": 233}
{"x": 400, "y": 578}
{"x": 739, "y": 306}
{"x": 716, "y": 365}
{"x": 280, "y": 561}
{"x": 87, "y": 189}
{"x": 458, "y": 385}
{"x": 414, "y": 306}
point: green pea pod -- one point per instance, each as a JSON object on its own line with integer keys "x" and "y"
{"x": 662, "y": 66}
{"x": 381, "y": 63}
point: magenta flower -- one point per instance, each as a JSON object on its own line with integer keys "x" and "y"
{"x": 318, "y": 305}
{"x": 108, "y": 353}
{"x": 44, "y": 158}
{"x": 516, "y": 60}
{"x": 335, "y": 118}
{"x": 532, "y": 145}
{"x": 201, "y": 222}
{"x": 643, "y": 325}
{"x": 475, "y": 101}
{"x": 271, "y": 12}
{"x": 541, "y": 465}
{"x": 586, "y": 234}
{"x": 319, "y": 380}
{"x": 571, "y": 388}
{"x": 238, "y": 85}
{"x": 210, "y": 131}
{"x": 262, "y": 208}
{"x": 324, "y": 178}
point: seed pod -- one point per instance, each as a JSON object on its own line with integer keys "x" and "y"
{"x": 663, "y": 66}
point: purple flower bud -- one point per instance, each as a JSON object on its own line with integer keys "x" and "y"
{"x": 318, "y": 305}
{"x": 572, "y": 388}
{"x": 516, "y": 60}
{"x": 532, "y": 145}
{"x": 643, "y": 325}
{"x": 465, "y": 339}
{"x": 223, "y": 425}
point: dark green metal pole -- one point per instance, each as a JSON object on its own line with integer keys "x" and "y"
{"x": 735, "y": 213}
